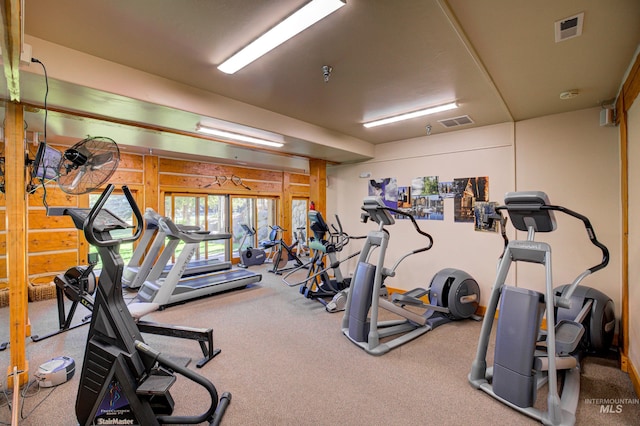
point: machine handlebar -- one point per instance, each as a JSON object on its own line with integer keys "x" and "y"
{"x": 415, "y": 225}
{"x": 374, "y": 205}
{"x": 215, "y": 409}
{"x": 564, "y": 300}
{"x": 88, "y": 226}
{"x": 587, "y": 224}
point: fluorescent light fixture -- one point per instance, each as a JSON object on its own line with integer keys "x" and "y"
{"x": 237, "y": 136}
{"x": 409, "y": 115}
{"x": 299, "y": 21}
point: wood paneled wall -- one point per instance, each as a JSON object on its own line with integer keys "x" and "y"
{"x": 197, "y": 177}
{"x": 54, "y": 244}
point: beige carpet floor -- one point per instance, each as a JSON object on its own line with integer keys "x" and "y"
{"x": 286, "y": 362}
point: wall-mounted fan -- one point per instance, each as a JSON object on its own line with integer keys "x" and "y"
{"x": 80, "y": 169}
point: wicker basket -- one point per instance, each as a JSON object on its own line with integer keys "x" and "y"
{"x": 41, "y": 288}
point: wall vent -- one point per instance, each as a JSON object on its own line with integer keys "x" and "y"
{"x": 456, "y": 121}
{"x": 569, "y": 27}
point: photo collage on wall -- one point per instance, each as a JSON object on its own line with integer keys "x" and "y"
{"x": 424, "y": 199}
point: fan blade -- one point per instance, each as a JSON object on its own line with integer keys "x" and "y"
{"x": 99, "y": 160}
{"x": 77, "y": 178}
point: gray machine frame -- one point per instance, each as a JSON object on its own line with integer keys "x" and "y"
{"x": 176, "y": 287}
{"x": 360, "y": 322}
{"x": 149, "y": 247}
{"x": 521, "y": 365}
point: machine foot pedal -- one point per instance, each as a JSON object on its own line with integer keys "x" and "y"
{"x": 156, "y": 384}
{"x": 411, "y": 297}
{"x": 568, "y": 335}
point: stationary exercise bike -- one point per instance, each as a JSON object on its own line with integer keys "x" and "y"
{"x": 453, "y": 294}
{"x": 284, "y": 254}
{"x": 124, "y": 380}
{"x": 579, "y": 320}
{"x": 250, "y": 256}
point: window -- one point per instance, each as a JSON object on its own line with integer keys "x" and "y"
{"x": 299, "y": 211}
{"x": 259, "y": 213}
{"x": 119, "y": 206}
{"x": 209, "y": 212}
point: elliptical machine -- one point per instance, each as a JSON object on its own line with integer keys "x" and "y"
{"x": 250, "y": 256}
{"x": 123, "y": 380}
{"x": 453, "y": 294}
{"x": 579, "y": 320}
{"x": 319, "y": 285}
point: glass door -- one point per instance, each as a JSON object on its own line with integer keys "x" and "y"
{"x": 207, "y": 212}
{"x": 118, "y": 205}
{"x": 242, "y": 213}
{"x": 299, "y": 213}
{"x": 259, "y": 213}
{"x": 217, "y": 221}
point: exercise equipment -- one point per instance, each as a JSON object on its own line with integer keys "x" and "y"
{"x": 579, "y": 320}
{"x": 176, "y": 287}
{"x": 78, "y": 284}
{"x": 124, "y": 380}
{"x": 250, "y": 256}
{"x": 270, "y": 243}
{"x": 283, "y": 254}
{"x": 453, "y": 294}
{"x": 152, "y": 243}
{"x": 325, "y": 245}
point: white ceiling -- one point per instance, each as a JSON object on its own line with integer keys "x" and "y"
{"x": 497, "y": 58}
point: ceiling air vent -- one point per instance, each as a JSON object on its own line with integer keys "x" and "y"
{"x": 569, "y": 27}
{"x": 456, "y": 121}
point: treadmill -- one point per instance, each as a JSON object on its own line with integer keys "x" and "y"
{"x": 150, "y": 245}
{"x": 176, "y": 287}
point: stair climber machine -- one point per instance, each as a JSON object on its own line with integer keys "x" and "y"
{"x": 152, "y": 243}
{"x": 176, "y": 287}
{"x": 453, "y": 294}
{"x": 250, "y": 256}
{"x": 124, "y": 380}
{"x": 579, "y": 320}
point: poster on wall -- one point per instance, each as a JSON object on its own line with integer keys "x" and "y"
{"x": 485, "y": 217}
{"x": 425, "y": 199}
{"x": 467, "y": 191}
{"x": 387, "y": 189}
{"x": 404, "y": 201}
{"x": 446, "y": 189}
